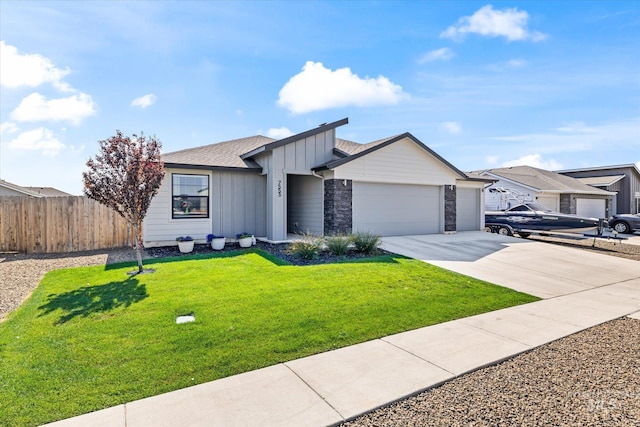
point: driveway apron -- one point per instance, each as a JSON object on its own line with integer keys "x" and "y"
{"x": 536, "y": 268}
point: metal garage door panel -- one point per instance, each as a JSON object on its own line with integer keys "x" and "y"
{"x": 396, "y": 209}
{"x": 552, "y": 202}
{"x": 467, "y": 209}
{"x": 595, "y": 208}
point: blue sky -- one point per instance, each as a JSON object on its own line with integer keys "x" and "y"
{"x": 551, "y": 84}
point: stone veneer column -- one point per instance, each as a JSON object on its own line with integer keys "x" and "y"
{"x": 338, "y": 211}
{"x": 449, "y": 208}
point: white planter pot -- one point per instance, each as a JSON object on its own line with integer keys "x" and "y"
{"x": 245, "y": 242}
{"x": 186, "y": 247}
{"x": 218, "y": 244}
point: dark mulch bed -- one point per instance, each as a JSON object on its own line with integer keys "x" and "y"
{"x": 280, "y": 250}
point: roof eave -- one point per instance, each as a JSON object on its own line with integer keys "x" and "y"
{"x": 212, "y": 168}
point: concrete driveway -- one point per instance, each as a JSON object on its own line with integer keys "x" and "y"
{"x": 537, "y": 268}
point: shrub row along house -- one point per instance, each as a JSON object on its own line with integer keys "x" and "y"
{"x": 312, "y": 182}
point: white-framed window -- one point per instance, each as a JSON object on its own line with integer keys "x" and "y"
{"x": 190, "y": 196}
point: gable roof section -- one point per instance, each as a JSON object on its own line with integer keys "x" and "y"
{"x": 293, "y": 138}
{"x": 376, "y": 145}
{"x": 601, "y": 181}
{"x": 223, "y": 155}
{"x": 543, "y": 180}
{"x": 364, "y": 149}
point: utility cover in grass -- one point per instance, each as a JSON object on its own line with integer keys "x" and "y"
{"x": 186, "y": 318}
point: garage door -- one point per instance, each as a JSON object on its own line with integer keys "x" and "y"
{"x": 396, "y": 209}
{"x": 551, "y": 202}
{"x": 595, "y": 208}
{"x": 467, "y": 209}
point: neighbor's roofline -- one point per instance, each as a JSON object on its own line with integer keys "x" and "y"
{"x": 335, "y": 163}
{"x": 293, "y": 138}
{"x": 19, "y": 189}
{"x": 600, "y": 168}
{"x": 500, "y": 177}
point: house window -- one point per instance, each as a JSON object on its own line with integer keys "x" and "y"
{"x": 190, "y": 194}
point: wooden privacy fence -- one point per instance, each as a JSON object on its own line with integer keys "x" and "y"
{"x": 59, "y": 224}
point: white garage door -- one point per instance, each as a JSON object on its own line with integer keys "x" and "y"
{"x": 551, "y": 202}
{"x": 396, "y": 209}
{"x": 595, "y": 208}
{"x": 467, "y": 209}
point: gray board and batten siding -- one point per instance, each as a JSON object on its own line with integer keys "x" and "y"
{"x": 236, "y": 204}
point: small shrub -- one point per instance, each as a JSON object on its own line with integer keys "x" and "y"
{"x": 308, "y": 247}
{"x": 366, "y": 242}
{"x": 184, "y": 238}
{"x": 338, "y": 244}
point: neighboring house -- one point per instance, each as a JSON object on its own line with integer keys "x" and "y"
{"x": 557, "y": 192}
{"x": 9, "y": 189}
{"x": 312, "y": 182}
{"x": 623, "y": 179}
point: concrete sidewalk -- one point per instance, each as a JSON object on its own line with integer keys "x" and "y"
{"x": 327, "y": 388}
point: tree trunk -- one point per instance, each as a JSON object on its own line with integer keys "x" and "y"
{"x": 138, "y": 236}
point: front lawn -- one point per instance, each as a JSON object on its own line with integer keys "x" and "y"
{"x": 90, "y": 338}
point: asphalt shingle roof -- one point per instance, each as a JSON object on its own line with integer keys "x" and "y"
{"x": 352, "y": 148}
{"x": 223, "y": 154}
{"x": 545, "y": 180}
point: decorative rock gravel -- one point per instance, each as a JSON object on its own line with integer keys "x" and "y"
{"x": 602, "y": 246}
{"x": 591, "y": 378}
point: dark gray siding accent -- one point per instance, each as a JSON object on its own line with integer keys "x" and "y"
{"x": 627, "y": 187}
{"x": 449, "y": 208}
{"x": 567, "y": 204}
{"x": 338, "y": 206}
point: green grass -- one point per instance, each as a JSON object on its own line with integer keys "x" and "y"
{"x": 90, "y": 338}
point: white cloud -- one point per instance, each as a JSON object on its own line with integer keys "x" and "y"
{"x": 536, "y": 161}
{"x": 40, "y": 139}
{"x": 36, "y": 107}
{"x": 577, "y": 127}
{"x": 30, "y": 70}
{"x": 453, "y": 128}
{"x": 144, "y": 101}
{"x": 509, "y": 23}
{"x": 442, "y": 54}
{"x": 516, "y": 63}
{"x": 8, "y": 127}
{"x": 576, "y": 144}
{"x": 511, "y": 64}
{"x": 279, "y": 133}
{"x": 319, "y": 88}
{"x": 492, "y": 160}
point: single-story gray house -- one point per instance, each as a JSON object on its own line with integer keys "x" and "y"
{"x": 622, "y": 179}
{"x": 557, "y": 192}
{"x": 9, "y": 189}
{"x": 312, "y": 182}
